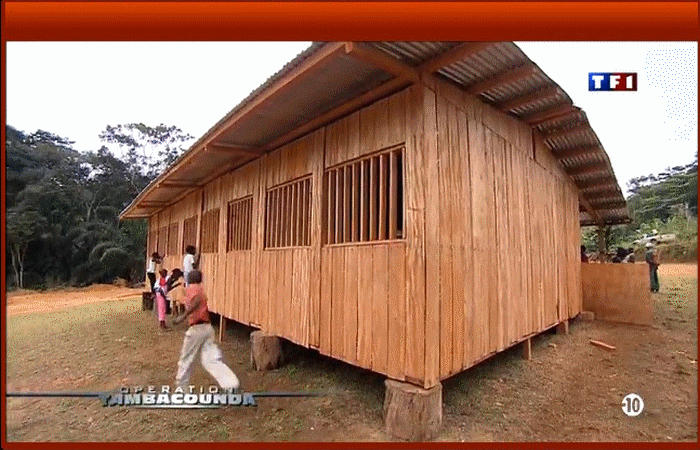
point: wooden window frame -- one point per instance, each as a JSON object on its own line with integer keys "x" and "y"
{"x": 210, "y": 243}
{"x": 239, "y": 224}
{"x": 364, "y": 199}
{"x": 288, "y": 214}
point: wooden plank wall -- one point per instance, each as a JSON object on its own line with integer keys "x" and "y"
{"x": 240, "y": 279}
{"x": 363, "y": 285}
{"x": 288, "y": 291}
{"x": 489, "y": 257}
{"x": 502, "y": 237}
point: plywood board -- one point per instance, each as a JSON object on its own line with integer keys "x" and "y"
{"x": 618, "y": 292}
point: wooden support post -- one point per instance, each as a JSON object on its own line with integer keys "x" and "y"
{"x": 602, "y": 232}
{"x": 527, "y": 349}
{"x": 563, "y": 327}
{"x": 222, "y": 327}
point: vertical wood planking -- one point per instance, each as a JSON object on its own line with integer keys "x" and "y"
{"x": 457, "y": 194}
{"x": 432, "y": 222}
{"x": 415, "y": 187}
{"x": 364, "y": 306}
{"x": 315, "y": 238}
{"x": 338, "y": 301}
{"x": 350, "y": 319}
{"x": 481, "y": 243}
{"x": 396, "y": 312}
{"x": 465, "y": 262}
{"x": 380, "y": 324}
{"x": 444, "y": 244}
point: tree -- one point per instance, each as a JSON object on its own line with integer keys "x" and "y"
{"x": 147, "y": 150}
{"x": 23, "y": 226}
{"x": 63, "y": 205}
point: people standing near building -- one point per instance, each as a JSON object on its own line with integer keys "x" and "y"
{"x": 161, "y": 290}
{"x": 151, "y": 269}
{"x": 652, "y": 259}
{"x": 200, "y": 336}
{"x": 190, "y": 262}
{"x": 630, "y": 258}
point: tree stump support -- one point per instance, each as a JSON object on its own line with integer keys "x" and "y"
{"x": 265, "y": 351}
{"x": 412, "y": 413}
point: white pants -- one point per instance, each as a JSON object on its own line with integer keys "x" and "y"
{"x": 198, "y": 337}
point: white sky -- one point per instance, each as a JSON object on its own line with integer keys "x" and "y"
{"x": 75, "y": 89}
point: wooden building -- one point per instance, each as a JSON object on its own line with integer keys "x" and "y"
{"x": 407, "y": 207}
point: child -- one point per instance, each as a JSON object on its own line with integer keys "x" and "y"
{"x": 190, "y": 262}
{"x": 151, "y": 270}
{"x": 200, "y": 335}
{"x": 173, "y": 293}
{"x": 161, "y": 290}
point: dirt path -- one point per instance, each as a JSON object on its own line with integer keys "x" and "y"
{"x": 26, "y": 302}
{"x": 570, "y": 391}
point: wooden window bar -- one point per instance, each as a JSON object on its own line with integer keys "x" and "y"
{"x": 363, "y": 199}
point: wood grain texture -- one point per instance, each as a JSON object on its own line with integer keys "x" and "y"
{"x": 486, "y": 255}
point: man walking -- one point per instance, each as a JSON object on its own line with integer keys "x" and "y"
{"x": 200, "y": 336}
{"x": 652, "y": 259}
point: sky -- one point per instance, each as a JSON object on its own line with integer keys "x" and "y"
{"x": 75, "y": 89}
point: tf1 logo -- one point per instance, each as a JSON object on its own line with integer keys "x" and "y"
{"x": 612, "y": 81}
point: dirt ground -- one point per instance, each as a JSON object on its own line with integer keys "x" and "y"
{"x": 99, "y": 339}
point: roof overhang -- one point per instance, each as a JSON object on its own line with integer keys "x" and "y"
{"x": 330, "y": 80}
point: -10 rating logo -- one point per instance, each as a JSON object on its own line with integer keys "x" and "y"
{"x": 632, "y": 405}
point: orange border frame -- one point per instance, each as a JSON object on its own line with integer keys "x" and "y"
{"x": 202, "y": 21}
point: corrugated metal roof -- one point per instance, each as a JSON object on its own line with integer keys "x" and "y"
{"x": 346, "y": 77}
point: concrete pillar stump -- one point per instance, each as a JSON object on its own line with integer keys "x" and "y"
{"x": 412, "y": 413}
{"x": 265, "y": 351}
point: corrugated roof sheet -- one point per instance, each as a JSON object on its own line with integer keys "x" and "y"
{"x": 346, "y": 77}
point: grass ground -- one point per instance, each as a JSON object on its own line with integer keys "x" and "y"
{"x": 570, "y": 391}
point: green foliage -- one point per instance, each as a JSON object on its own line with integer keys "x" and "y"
{"x": 665, "y": 203}
{"x": 63, "y": 205}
